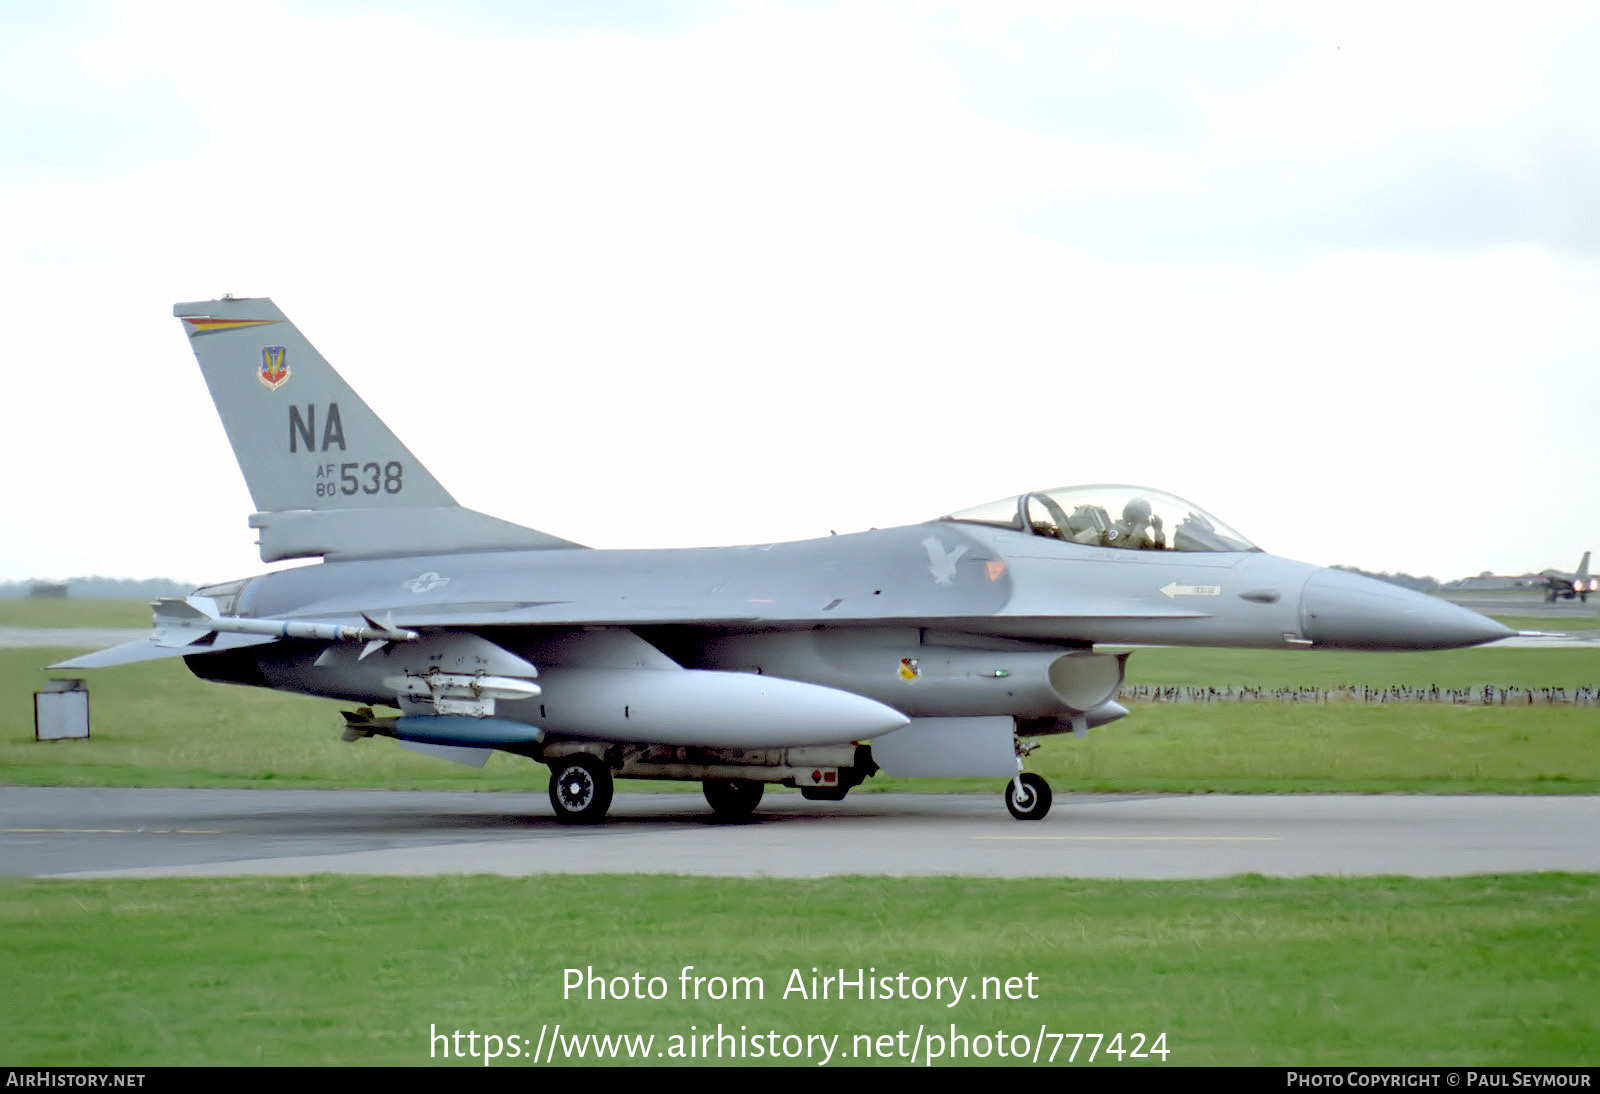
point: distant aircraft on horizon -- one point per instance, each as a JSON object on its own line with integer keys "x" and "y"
{"x": 1564, "y": 586}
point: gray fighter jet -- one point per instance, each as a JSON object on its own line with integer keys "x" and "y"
{"x": 1559, "y": 585}
{"x": 937, "y": 649}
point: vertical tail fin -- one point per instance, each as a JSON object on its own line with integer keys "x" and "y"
{"x": 1583, "y": 567}
{"x": 301, "y": 435}
{"x": 326, "y": 475}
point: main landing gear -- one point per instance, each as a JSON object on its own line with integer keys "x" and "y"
{"x": 733, "y": 799}
{"x": 580, "y": 789}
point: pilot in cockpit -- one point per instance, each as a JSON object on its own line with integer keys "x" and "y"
{"x": 1139, "y": 529}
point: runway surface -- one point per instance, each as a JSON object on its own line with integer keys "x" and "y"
{"x": 68, "y": 638}
{"x": 75, "y": 832}
{"x": 1528, "y": 603}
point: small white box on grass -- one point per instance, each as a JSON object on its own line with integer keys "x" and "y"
{"x": 61, "y": 711}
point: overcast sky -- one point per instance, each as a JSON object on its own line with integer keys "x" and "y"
{"x": 678, "y": 274}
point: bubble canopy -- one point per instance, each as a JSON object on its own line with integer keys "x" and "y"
{"x": 1131, "y": 518}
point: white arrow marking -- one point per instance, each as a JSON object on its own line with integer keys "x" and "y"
{"x": 1172, "y": 588}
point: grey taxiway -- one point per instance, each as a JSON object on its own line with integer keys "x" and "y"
{"x": 117, "y": 832}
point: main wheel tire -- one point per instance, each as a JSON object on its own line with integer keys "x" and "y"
{"x": 580, "y": 789}
{"x": 733, "y": 799}
{"x": 1034, "y": 801}
{"x": 824, "y": 793}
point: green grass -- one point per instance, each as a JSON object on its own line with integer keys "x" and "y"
{"x": 66, "y": 612}
{"x": 1329, "y": 972}
{"x": 1557, "y": 624}
{"x": 1534, "y": 668}
{"x": 1271, "y": 747}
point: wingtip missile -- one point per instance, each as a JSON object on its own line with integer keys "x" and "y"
{"x": 182, "y": 622}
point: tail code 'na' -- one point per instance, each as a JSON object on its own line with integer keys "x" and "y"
{"x": 327, "y": 477}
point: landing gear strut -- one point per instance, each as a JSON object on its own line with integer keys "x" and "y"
{"x": 1028, "y": 796}
{"x": 580, "y": 789}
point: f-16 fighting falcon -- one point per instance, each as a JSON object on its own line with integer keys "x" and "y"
{"x": 1559, "y": 585}
{"x": 938, "y": 649}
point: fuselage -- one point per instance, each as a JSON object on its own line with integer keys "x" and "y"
{"x": 944, "y": 575}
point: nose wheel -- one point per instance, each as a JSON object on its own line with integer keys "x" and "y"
{"x": 1028, "y": 796}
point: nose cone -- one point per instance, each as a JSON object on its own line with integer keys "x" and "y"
{"x": 1347, "y": 611}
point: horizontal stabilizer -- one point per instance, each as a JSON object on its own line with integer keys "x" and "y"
{"x": 149, "y": 649}
{"x": 193, "y": 625}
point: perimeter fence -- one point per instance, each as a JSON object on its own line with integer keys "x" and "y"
{"x": 1485, "y": 695}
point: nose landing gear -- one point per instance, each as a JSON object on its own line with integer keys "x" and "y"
{"x": 1028, "y": 796}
